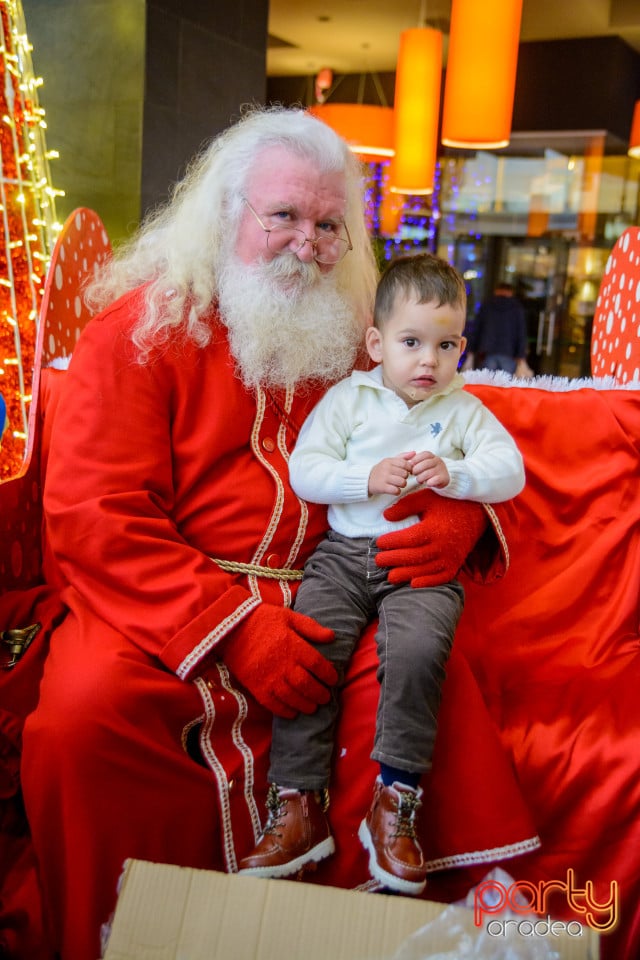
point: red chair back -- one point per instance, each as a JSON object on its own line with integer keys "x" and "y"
{"x": 81, "y": 245}
{"x": 615, "y": 337}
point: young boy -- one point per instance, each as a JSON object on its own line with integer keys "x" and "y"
{"x": 412, "y": 403}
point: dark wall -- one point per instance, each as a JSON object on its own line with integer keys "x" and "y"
{"x": 203, "y": 61}
{"x": 132, "y": 88}
{"x": 588, "y": 84}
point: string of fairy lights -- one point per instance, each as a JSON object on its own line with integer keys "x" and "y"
{"x": 412, "y": 226}
{"x": 28, "y": 228}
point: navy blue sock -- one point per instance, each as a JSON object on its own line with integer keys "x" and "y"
{"x": 392, "y": 775}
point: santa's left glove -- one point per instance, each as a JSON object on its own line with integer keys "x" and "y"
{"x": 270, "y": 654}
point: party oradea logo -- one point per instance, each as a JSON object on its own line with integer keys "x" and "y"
{"x": 492, "y": 898}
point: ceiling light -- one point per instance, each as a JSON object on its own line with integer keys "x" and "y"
{"x": 417, "y": 107}
{"x": 481, "y": 73}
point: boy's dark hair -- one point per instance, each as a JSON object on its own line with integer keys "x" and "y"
{"x": 422, "y": 275}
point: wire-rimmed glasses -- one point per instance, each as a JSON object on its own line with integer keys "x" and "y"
{"x": 326, "y": 249}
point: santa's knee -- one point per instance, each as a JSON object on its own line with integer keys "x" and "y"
{"x": 81, "y": 712}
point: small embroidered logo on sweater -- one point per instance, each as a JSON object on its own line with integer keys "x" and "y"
{"x": 435, "y": 428}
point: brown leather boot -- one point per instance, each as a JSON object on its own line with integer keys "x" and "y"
{"x": 388, "y": 833}
{"x": 296, "y": 833}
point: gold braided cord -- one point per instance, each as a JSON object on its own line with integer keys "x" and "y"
{"x": 254, "y": 569}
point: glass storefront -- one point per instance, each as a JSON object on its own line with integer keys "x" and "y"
{"x": 542, "y": 219}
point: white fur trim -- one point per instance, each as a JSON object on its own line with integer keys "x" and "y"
{"x": 59, "y": 363}
{"x": 500, "y": 378}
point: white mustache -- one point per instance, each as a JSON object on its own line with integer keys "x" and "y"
{"x": 287, "y": 266}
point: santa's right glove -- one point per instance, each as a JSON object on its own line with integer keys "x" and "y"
{"x": 270, "y": 655}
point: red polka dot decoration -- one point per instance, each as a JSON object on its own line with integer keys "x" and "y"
{"x": 615, "y": 338}
{"x": 82, "y": 244}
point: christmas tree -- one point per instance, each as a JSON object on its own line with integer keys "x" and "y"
{"x": 28, "y": 229}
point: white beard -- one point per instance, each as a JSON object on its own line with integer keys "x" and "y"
{"x": 287, "y": 323}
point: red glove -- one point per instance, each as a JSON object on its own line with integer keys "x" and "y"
{"x": 433, "y": 550}
{"x": 269, "y": 654}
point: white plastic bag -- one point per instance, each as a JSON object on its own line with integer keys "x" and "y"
{"x": 454, "y": 936}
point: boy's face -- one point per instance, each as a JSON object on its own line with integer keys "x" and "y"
{"x": 419, "y": 348}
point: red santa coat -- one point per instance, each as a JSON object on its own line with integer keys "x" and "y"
{"x": 157, "y": 471}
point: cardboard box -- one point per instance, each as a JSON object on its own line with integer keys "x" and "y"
{"x": 166, "y": 912}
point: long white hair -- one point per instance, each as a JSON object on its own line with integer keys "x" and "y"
{"x": 179, "y": 250}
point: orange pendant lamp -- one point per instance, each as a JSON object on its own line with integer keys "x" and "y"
{"x": 367, "y": 128}
{"x": 634, "y": 139}
{"x": 481, "y": 73}
{"x": 417, "y": 109}
{"x": 391, "y": 206}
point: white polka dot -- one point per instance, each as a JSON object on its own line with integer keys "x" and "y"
{"x": 58, "y": 276}
{"x": 77, "y": 306}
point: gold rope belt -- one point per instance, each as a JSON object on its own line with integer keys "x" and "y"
{"x": 255, "y": 569}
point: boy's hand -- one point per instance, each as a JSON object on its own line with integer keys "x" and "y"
{"x": 429, "y": 470}
{"x": 390, "y": 475}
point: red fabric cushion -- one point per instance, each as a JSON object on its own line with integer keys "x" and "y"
{"x": 555, "y": 644}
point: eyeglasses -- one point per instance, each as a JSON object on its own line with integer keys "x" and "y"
{"x": 329, "y": 249}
